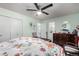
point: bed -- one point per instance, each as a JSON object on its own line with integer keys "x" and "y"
{"x": 28, "y": 46}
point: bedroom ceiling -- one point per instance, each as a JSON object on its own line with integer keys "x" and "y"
{"x": 57, "y": 10}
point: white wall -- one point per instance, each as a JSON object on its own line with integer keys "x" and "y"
{"x": 72, "y": 19}
{"x": 13, "y": 24}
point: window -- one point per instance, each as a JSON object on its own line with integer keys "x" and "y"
{"x": 52, "y": 26}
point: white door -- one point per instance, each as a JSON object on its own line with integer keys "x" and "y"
{"x": 4, "y": 29}
{"x": 20, "y": 29}
{"x": 38, "y": 30}
{"x": 16, "y": 28}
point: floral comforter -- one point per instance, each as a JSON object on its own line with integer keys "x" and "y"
{"x": 28, "y": 46}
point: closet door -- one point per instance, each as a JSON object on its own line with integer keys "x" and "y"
{"x": 20, "y": 28}
{"x": 38, "y": 30}
{"x": 4, "y": 29}
{"x": 16, "y": 29}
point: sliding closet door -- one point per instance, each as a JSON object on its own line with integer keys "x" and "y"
{"x": 4, "y": 29}
{"x": 16, "y": 29}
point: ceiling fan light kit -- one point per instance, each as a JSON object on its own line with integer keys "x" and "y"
{"x": 39, "y": 10}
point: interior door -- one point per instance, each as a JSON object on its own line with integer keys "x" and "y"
{"x": 16, "y": 28}
{"x": 4, "y": 29}
{"x": 38, "y": 30}
{"x": 20, "y": 28}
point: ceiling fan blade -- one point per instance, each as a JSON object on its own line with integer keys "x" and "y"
{"x": 31, "y": 10}
{"x": 36, "y": 6}
{"x": 46, "y": 6}
{"x": 45, "y": 12}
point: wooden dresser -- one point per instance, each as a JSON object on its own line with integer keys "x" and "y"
{"x": 62, "y": 38}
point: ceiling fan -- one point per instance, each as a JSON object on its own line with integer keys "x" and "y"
{"x": 40, "y": 10}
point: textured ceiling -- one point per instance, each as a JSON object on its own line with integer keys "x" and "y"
{"x": 57, "y": 10}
